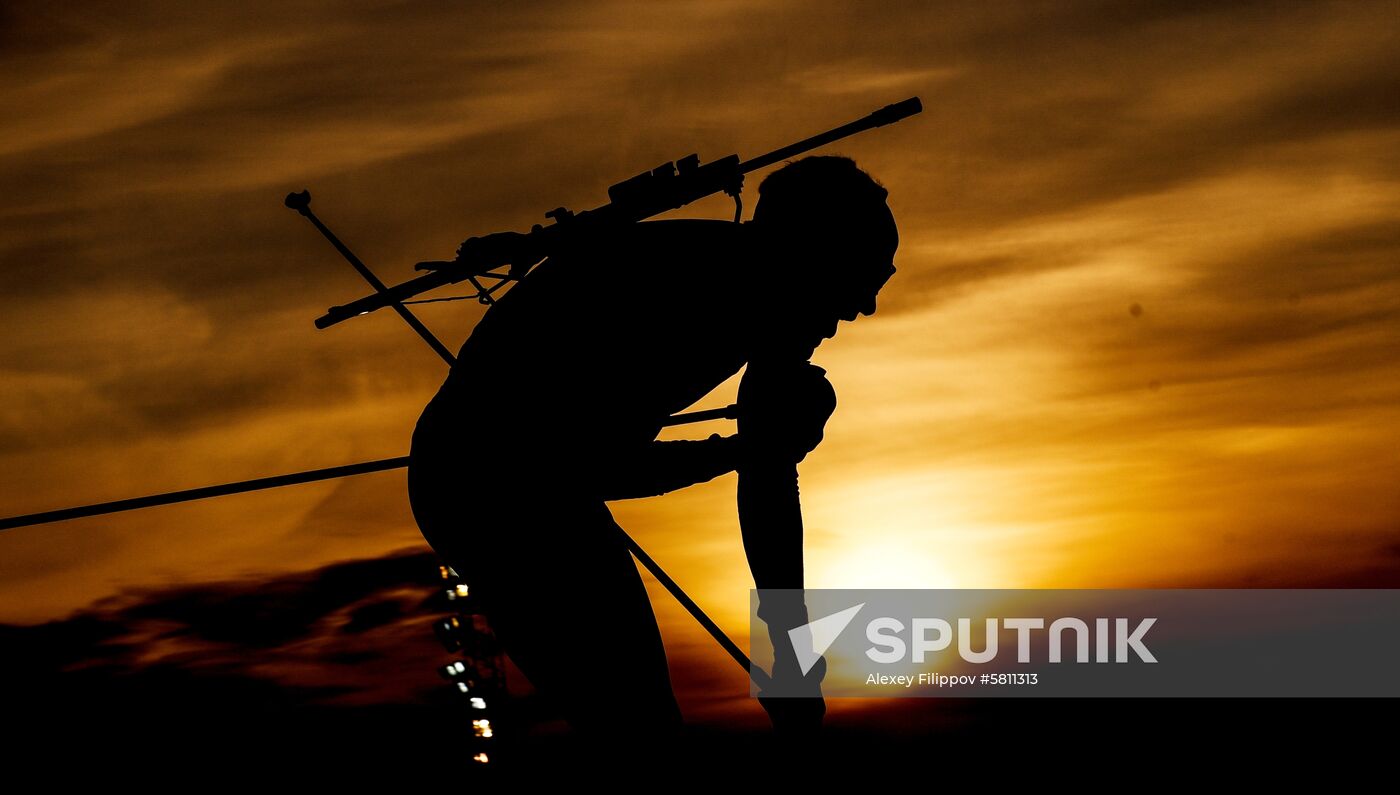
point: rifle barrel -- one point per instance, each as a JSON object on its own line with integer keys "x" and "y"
{"x": 886, "y": 115}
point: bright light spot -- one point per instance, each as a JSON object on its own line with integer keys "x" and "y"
{"x": 874, "y": 565}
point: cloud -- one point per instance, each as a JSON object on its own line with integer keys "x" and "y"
{"x": 303, "y": 639}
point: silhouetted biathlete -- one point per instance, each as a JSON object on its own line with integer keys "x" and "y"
{"x": 556, "y": 399}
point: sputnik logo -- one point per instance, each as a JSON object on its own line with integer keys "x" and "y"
{"x": 811, "y": 640}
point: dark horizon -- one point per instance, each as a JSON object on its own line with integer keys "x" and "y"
{"x": 341, "y": 662}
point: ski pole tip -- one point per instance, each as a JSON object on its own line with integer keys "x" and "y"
{"x": 298, "y": 201}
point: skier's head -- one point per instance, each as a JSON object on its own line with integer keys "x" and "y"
{"x": 831, "y": 239}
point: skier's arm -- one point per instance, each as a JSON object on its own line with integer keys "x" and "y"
{"x": 783, "y": 408}
{"x": 770, "y": 520}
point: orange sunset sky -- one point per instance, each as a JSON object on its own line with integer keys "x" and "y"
{"x": 1143, "y": 332}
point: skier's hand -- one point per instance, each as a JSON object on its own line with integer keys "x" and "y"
{"x": 795, "y": 715}
{"x": 792, "y": 698}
